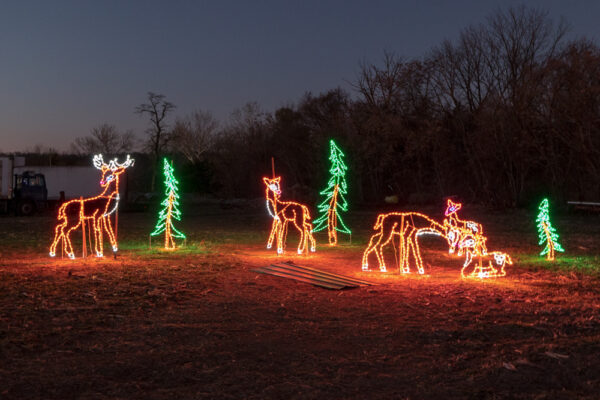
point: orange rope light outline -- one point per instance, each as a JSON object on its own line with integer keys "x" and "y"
{"x": 483, "y": 271}
{"x": 332, "y": 218}
{"x": 468, "y": 238}
{"x": 408, "y": 226}
{"x": 550, "y": 243}
{"x": 464, "y": 236}
{"x": 459, "y": 230}
{"x": 283, "y": 212}
{"x": 97, "y": 209}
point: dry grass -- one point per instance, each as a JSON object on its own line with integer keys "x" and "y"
{"x": 199, "y": 323}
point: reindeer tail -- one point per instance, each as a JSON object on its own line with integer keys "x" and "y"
{"x": 307, "y": 218}
{"x": 379, "y": 221}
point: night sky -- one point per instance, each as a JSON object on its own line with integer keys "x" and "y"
{"x": 66, "y": 67}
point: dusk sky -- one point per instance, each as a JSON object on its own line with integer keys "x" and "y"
{"x": 68, "y": 66}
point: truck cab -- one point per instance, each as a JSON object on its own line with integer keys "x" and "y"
{"x": 29, "y": 192}
{"x": 21, "y": 191}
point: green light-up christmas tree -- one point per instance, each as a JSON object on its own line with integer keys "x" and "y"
{"x": 547, "y": 233}
{"x": 334, "y": 201}
{"x": 170, "y": 210}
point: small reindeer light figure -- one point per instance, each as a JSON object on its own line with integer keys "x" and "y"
{"x": 95, "y": 209}
{"x": 457, "y": 231}
{"x": 488, "y": 265}
{"x": 284, "y": 212}
{"x": 466, "y": 237}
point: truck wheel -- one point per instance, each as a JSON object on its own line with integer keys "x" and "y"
{"x": 26, "y": 208}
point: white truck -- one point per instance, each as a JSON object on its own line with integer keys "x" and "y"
{"x": 25, "y": 189}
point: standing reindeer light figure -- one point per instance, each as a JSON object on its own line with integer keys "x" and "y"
{"x": 96, "y": 210}
{"x": 284, "y": 212}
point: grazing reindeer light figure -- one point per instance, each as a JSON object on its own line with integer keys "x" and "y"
{"x": 408, "y": 226}
{"x": 97, "y": 209}
{"x": 283, "y": 212}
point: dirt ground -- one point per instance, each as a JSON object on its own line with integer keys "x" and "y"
{"x": 200, "y": 323}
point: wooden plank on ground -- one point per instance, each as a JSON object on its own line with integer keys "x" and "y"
{"x": 325, "y": 273}
{"x": 299, "y": 279}
{"x": 304, "y": 274}
{"x": 312, "y": 275}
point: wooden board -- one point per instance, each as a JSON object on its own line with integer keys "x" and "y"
{"x": 313, "y": 276}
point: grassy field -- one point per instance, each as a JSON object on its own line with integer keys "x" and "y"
{"x": 200, "y": 323}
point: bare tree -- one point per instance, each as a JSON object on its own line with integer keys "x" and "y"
{"x": 380, "y": 85}
{"x": 157, "y": 109}
{"x": 105, "y": 139}
{"x": 488, "y": 86}
{"x": 193, "y": 135}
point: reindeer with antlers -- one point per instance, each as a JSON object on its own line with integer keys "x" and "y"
{"x": 284, "y": 212}
{"x": 96, "y": 210}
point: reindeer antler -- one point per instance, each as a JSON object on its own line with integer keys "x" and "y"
{"x": 114, "y": 164}
{"x": 99, "y": 161}
{"x": 127, "y": 163}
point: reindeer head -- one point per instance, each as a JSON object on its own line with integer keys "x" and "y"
{"x": 452, "y": 208}
{"x": 112, "y": 170}
{"x": 501, "y": 259}
{"x": 273, "y": 185}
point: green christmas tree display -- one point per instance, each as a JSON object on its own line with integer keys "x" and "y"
{"x": 334, "y": 202}
{"x": 170, "y": 211}
{"x": 547, "y": 233}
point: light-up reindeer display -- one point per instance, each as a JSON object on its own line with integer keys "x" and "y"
{"x": 466, "y": 237}
{"x": 487, "y": 265}
{"x": 408, "y": 227}
{"x": 284, "y": 212}
{"x": 461, "y": 233}
{"x": 95, "y": 210}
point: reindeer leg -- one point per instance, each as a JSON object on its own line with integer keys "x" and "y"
{"x": 379, "y": 247}
{"x": 286, "y": 226}
{"x": 111, "y": 233}
{"x": 68, "y": 246}
{"x": 303, "y": 238}
{"x": 365, "y": 257}
{"x": 273, "y": 232}
{"x": 417, "y": 252}
{"x": 379, "y": 255}
{"x": 373, "y": 241}
{"x": 58, "y": 235}
{"x": 403, "y": 258}
{"x": 281, "y": 233}
{"x": 404, "y": 249}
{"x": 313, "y": 242}
{"x": 98, "y": 245}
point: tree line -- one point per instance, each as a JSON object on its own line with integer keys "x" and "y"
{"x": 503, "y": 115}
